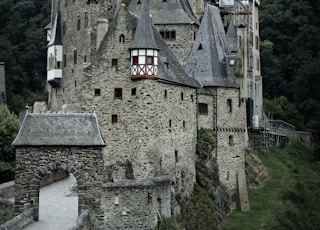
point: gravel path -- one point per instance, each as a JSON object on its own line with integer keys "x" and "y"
{"x": 58, "y": 207}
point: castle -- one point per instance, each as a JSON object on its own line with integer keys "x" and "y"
{"x": 130, "y": 83}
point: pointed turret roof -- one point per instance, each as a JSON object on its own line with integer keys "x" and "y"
{"x": 144, "y": 37}
{"x": 207, "y": 60}
{"x": 56, "y": 36}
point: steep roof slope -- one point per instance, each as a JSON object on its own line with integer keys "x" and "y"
{"x": 207, "y": 60}
{"x": 44, "y": 129}
{"x": 166, "y": 12}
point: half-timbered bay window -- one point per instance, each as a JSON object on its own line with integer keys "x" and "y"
{"x": 144, "y": 63}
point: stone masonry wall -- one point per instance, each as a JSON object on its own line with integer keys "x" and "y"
{"x": 82, "y": 40}
{"x": 7, "y": 190}
{"x": 135, "y": 204}
{"x": 142, "y": 135}
{"x": 185, "y": 36}
{"x": 231, "y": 135}
{"x": 85, "y": 164}
{"x": 207, "y": 121}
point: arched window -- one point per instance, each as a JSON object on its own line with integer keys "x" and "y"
{"x": 121, "y": 38}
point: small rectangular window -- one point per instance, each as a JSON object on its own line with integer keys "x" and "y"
{"x": 229, "y": 106}
{"x": 97, "y": 92}
{"x": 133, "y": 91}
{"x": 181, "y": 96}
{"x": 149, "y": 60}
{"x": 184, "y": 124}
{"x": 258, "y": 64}
{"x": 118, "y": 93}
{"x": 192, "y": 97}
{"x": 165, "y": 93}
{"x": 135, "y": 60}
{"x": 203, "y": 108}
{"x": 114, "y": 62}
{"x": 231, "y": 140}
{"x": 114, "y": 119}
{"x": 75, "y": 57}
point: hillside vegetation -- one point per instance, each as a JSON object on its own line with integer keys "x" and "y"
{"x": 290, "y": 198}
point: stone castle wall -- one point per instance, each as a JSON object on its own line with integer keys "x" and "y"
{"x": 86, "y": 164}
{"x": 182, "y": 44}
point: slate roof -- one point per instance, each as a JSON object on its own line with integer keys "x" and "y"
{"x": 167, "y": 12}
{"x": 208, "y": 60}
{"x": 144, "y": 37}
{"x": 44, "y": 129}
{"x": 56, "y": 36}
{"x": 232, "y": 36}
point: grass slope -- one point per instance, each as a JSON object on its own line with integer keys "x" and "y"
{"x": 290, "y": 198}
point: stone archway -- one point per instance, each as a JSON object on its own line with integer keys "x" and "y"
{"x": 34, "y": 193}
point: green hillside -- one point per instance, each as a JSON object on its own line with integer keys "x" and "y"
{"x": 290, "y": 198}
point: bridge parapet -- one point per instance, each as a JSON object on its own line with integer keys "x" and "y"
{"x": 20, "y": 221}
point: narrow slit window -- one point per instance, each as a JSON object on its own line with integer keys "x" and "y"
{"x": 133, "y": 91}
{"x": 78, "y": 23}
{"x": 114, "y": 62}
{"x": 176, "y": 157}
{"x": 229, "y": 106}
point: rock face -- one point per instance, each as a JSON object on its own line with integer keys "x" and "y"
{"x": 256, "y": 173}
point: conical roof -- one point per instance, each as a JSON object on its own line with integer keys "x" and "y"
{"x": 144, "y": 38}
{"x": 56, "y": 35}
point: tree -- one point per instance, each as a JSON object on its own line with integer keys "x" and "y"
{"x": 9, "y": 127}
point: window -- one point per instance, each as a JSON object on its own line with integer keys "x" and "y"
{"x": 149, "y": 60}
{"x": 149, "y": 198}
{"x": 168, "y": 34}
{"x": 114, "y": 118}
{"x": 229, "y": 106}
{"x": 257, "y": 43}
{"x": 86, "y": 20}
{"x": 184, "y": 124}
{"x": 165, "y": 93}
{"x": 135, "y": 60}
{"x": 85, "y": 58}
{"x": 203, "y": 108}
{"x": 200, "y": 47}
{"x": 181, "y": 96}
{"x": 170, "y": 124}
{"x": 75, "y": 61}
{"x": 97, "y": 92}
{"x": 78, "y": 23}
{"x": 121, "y": 38}
{"x": 192, "y": 97}
{"x": 114, "y": 62}
{"x": 258, "y": 64}
{"x": 66, "y": 3}
{"x": 176, "y": 157}
{"x": 64, "y": 60}
{"x": 133, "y": 91}
{"x": 231, "y": 140}
{"x": 118, "y": 93}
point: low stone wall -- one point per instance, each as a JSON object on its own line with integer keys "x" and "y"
{"x": 6, "y": 209}
{"x": 7, "y": 190}
{"x": 20, "y": 221}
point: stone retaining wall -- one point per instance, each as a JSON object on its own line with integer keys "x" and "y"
{"x": 7, "y": 190}
{"x": 20, "y": 221}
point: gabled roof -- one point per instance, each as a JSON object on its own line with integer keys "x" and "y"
{"x": 207, "y": 60}
{"x": 56, "y": 36}
{"x": 144, "y": 37}
{"x": 44, "y": 129}
{"x": 166, "y": 12}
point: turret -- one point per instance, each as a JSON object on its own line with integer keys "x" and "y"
{"x": 55, "y": 54}
{"x": 144, "y": 51}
